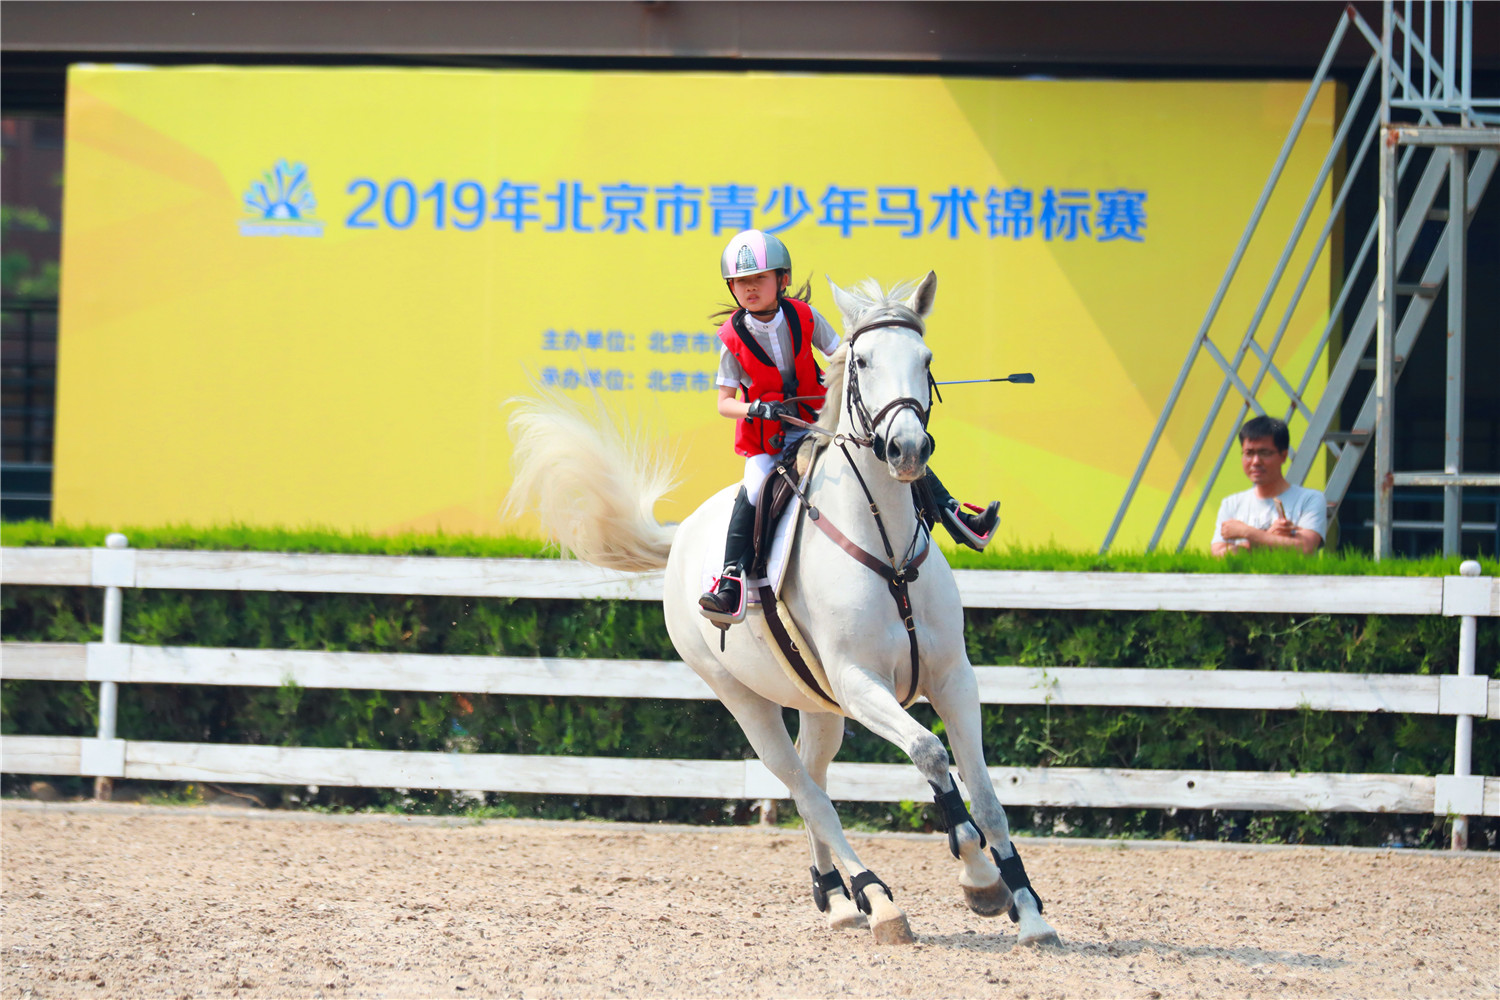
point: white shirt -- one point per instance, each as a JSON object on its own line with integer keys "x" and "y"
{"x": 776, "y": 340}
{"x": 1304, "y": 507}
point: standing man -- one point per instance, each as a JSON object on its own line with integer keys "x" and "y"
{"x": 1272, "y": 513}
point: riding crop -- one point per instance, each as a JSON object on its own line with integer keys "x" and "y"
{"x": 1022, "y": 377}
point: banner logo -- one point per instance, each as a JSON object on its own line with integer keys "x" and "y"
{"x": 282, "y": 204}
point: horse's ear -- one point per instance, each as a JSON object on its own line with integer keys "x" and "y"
{"x": 920, "y": 301}
{"x": 848, "y": 305}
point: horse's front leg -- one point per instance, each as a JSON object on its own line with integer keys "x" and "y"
{"x": 819, "y": 736}
{"x": 871, "y": 702}
{"x": 954, "y": 694}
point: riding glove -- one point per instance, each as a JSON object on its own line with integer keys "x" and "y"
{"x": 769, "y": 409}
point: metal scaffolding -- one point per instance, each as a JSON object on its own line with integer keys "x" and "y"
{"x": 1455, "y": 140}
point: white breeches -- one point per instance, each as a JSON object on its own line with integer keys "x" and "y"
{"x": 757, "y": 468}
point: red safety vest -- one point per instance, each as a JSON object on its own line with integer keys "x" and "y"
{"x": 764, "y": 437}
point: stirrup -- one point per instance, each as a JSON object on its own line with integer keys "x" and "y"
{"x": 712, "y": 604}
{"x": 974, "y": 530}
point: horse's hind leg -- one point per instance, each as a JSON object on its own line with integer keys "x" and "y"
{"x": 764, "y": 728}
{"x": 956, "y": 700}
{"x": 819, "y": 736}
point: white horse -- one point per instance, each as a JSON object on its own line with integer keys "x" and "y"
{"x": 595, "y": 490}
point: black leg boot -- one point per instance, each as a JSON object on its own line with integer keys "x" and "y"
{"x": 725, "y": 604}
{"x": 972, "y": 529}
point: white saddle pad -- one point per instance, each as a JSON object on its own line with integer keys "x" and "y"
{"x": 776, "y": 568}
{"x": 781, "y": 544}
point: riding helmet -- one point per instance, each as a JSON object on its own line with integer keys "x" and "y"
{"x": 753, "y": 252}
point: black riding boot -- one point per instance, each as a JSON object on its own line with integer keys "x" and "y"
{"x": 974, "y": 530}
{"x": 725, "y": 604}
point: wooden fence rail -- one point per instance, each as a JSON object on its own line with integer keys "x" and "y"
{"x": 110, "y": 663}
{"x": 561, "y": 578}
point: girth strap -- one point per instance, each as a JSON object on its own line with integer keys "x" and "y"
{"x": 788, "y": 647}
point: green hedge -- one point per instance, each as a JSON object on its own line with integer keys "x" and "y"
{"x": 1024, "y": 736}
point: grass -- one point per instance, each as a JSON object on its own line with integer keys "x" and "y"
{"x": 1341, "y": 562}
{"x": 174, "y": 795}
{"x": 243, "y": 538}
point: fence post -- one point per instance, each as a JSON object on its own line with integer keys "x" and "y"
{"x": 1463, "y": 736}
{"x": 109, "y": 691}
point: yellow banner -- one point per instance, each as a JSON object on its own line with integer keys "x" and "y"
{"x": 302, "y": 296}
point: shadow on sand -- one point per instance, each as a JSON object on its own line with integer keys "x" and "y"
{"x": 1002, "y": 943}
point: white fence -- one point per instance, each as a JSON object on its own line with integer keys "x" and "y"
{"x": 111, "y": 663}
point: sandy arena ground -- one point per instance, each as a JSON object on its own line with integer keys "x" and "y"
{"x": 127, "y": 901}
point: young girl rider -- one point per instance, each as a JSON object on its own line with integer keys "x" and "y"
{"x": 766, "y": 353}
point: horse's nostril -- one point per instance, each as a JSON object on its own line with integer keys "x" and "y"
{"x": 894, "y": 451}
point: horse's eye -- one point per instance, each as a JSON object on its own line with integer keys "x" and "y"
{"x": 859, "y": 362}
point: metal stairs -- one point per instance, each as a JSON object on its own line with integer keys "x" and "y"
{"x": 1453, "y": 139}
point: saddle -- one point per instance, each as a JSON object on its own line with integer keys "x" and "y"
{"x": 772, "y": 537}
{"x": 791, "y": 649}
{"x": 775, "y": 494}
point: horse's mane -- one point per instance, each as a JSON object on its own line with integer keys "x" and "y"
{"x": 833, "y": 380}
{"x": 873, "y": 303}
{"x": 868, "y": 293}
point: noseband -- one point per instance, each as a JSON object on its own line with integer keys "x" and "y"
{"x": 870, "y": 438}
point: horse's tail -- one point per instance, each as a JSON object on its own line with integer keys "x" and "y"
{"x": 592, "y": 483}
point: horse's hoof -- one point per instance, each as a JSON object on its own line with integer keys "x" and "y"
{"x": 1040, "y": 938}
{"x": 893, "y": 930}
{"x": 988, "y": 901}
{"x": 888, "y": 922}
{"x": 843, "y": 915}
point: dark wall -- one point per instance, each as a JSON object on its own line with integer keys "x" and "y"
{"x": 1245, "y": 35}
{"x": 1146, "y": 38}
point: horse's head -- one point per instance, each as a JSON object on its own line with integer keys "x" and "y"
{"x": 885, "y": 387}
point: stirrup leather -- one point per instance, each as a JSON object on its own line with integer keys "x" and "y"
{"x": 715, "y": 604}
{"x": 974, "y": 530}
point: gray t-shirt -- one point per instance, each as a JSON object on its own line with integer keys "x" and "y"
{"x": 1304, "y": 507}
{"x": 776, "y": 340}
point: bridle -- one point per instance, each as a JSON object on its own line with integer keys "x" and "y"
{"x": 869, "y": 436}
